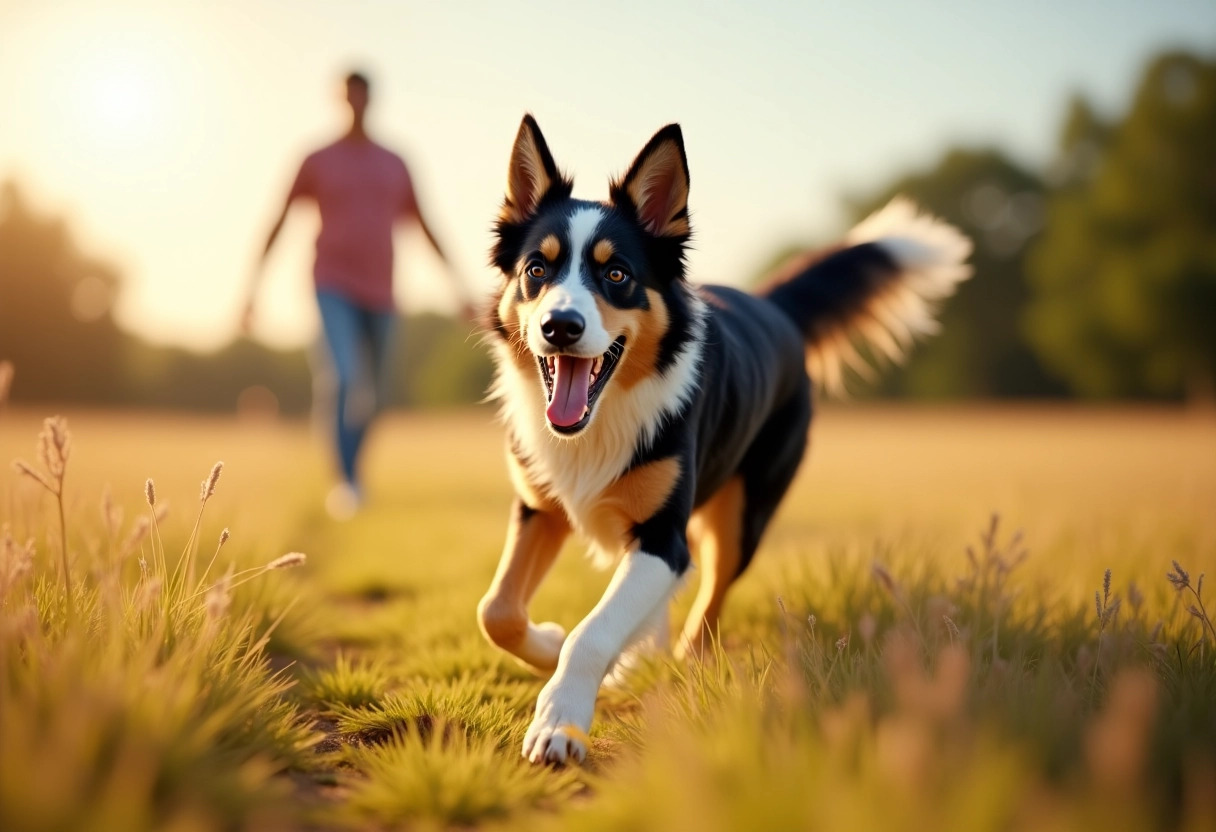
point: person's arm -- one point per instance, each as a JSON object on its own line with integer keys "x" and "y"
{"x": 299, "y": 188}
{"x": 413, "y": 211}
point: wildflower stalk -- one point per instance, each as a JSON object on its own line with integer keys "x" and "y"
{"x": 205, "y": 492}
{"x": 1106, "y": 610}
{"x": 54, "y": 449}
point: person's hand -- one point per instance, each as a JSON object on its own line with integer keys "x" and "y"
{"x": 247, "y": 317}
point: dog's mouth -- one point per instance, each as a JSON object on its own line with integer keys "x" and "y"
{"x": 574, "y": 384}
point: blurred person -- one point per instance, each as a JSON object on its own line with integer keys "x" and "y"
{"x": 361, "y": 189}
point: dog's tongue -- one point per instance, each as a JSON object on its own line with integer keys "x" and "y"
{"x": 571, "y": 380}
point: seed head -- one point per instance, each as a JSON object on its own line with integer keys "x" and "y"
{"x": 884, "y": 577}
{"x": 55, "y": 445}
{"x": 223, "y": 537}
{"x": 1180, "y": 578}
{"x": 1134, "y": 596}
{"x": 139, "y": 530}
{"x": 209, "y": 484}
{"x": 287, "y": 561}
{"x": 28, "y": 470}
{"x": 150, "y": 493}
{"x": 951, "y": 627}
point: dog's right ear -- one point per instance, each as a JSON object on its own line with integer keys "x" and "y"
{"x": 531, "y": 175}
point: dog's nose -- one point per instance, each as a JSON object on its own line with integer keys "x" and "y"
{"x": 562, "y": 327}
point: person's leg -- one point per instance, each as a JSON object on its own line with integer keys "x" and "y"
{"x": 368, "y": 396}
{"x": 341, "y": 326}
{"x": 384, "y": 327}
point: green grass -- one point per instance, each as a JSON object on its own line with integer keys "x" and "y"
{"x": 873, "y": 672}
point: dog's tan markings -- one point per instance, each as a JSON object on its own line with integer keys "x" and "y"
{"x": 644, "y": 330}
{"x": 534, "y": 539}
{"x": 533, "y": 493}
{"x": 634, "y": 498}
{"x": 603, "y": 251}
{"x": 715, "y": 533}
{"x": 551, "y": 247}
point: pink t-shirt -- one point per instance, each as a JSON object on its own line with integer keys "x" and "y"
{"x": 361, "y": 189}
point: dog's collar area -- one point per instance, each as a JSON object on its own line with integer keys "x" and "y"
{"x": 601, "y": 370}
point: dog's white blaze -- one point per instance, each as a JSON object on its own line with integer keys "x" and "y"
{"x": 579, "y": 468}
{"x": 571, "y": 292}
{"x": 641, "y": 585}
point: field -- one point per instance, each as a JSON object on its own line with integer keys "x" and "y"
{"x": 895, "y": 658}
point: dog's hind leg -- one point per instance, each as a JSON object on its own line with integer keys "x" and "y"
{"x": 534, "y": 538}
{"x": 729, "y": 525}
{"x": 716, "y": 532}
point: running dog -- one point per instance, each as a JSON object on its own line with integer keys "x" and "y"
{"x": 657, "y": 418}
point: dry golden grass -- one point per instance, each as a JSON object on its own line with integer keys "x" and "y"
{"x": 422, "y": 720}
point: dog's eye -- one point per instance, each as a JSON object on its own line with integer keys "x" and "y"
{"x": 536, "y": 269}
{"x": 617, "y": 275}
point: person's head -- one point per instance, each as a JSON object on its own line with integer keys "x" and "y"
{"x": 358, "y": 93}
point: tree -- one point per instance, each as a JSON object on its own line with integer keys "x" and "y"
{"x": 981, "y": 350}
{"x": 1125, "y": 275}
{"x": 55, "y": 323}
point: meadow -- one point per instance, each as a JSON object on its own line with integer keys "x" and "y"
{"x": 929, "y": 638}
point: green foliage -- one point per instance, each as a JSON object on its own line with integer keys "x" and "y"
{"x": 980, "y": 350}
{"x": 354, "y": 683}
{"x": 444, "y": 776}
{"x": 1125, "y": 275}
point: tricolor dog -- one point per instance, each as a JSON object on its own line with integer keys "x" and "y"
{"x": 661, "y": 420}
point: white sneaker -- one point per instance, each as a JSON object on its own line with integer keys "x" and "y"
{"x": 343, "y": 501}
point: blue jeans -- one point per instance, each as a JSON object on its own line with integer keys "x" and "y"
{"x": 360, "y": 345}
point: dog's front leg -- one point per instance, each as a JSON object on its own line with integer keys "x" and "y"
{"x": 641, "y": 584}
{"x": 534, "y": 538}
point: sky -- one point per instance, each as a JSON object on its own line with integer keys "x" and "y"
{"x": 169, "y": 132}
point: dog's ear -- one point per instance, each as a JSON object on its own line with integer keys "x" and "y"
{"x": 531, "y": 174}
{"x": 656, "y": 186}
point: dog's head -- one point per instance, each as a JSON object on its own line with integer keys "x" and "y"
{"x": 593, "y": 300}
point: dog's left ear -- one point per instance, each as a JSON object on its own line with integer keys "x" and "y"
{"x": 656, "y": 186}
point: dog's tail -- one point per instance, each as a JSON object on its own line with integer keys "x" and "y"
{"x": 880, "y": 289}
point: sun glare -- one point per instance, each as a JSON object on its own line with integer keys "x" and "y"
{"x": 119, "y": 96}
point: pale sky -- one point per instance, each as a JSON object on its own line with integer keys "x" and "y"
{"x": 170, "y": 131}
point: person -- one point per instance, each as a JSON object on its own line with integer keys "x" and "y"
{"x": 361, "y": 190}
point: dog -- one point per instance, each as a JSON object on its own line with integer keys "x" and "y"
{"x": 657, "y": 418}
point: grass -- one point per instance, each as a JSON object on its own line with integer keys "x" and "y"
{"x": 894, "y": 659}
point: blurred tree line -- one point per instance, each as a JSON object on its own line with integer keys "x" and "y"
{"x": 1095, "y": 277}
{"x": 57, "y": 329}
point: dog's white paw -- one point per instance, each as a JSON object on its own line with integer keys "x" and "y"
{"x": 546, "y": 639}
{"x": 558, "y": 732}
